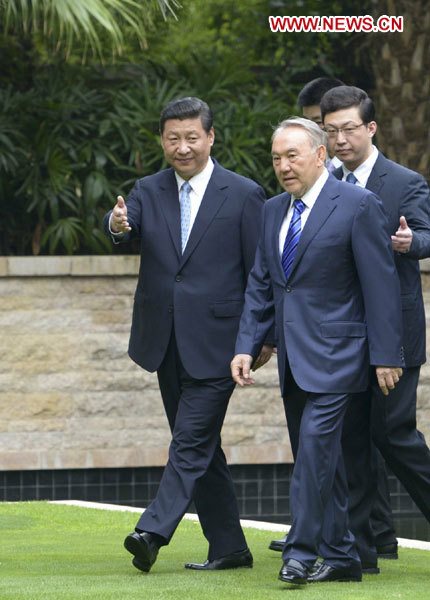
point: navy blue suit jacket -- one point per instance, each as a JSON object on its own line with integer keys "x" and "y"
{"x": 405, "y": 193}
{"x": 201, "y": 292}
{"x": 339, "y": 311}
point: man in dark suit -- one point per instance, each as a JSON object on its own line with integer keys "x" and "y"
{"x": 198, "y": 224}
{"x": 324, "y": 273}
{"x": 381, "y": 527}
{"x": 349, "y": 119}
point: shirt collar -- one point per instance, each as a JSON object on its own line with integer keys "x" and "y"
{"x": 362, "y": 172}
{"x": 200, "y": 181}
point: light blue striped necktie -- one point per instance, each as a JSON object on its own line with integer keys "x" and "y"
{"x": 185, "y": 204}
{"x": 293, "y": 237}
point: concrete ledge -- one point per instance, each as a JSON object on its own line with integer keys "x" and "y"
{"x": 72, "y": 266}
{"x": 132, "y": 457}
{"x": 84, "y": 266}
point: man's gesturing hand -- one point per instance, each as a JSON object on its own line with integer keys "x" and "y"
{"x": 241, "y": 368}
{"x": 387, "y": 378}
{"x": 402, "y": 239}
{"x": 119, "y": 223}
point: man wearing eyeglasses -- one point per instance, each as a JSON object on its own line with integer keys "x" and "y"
{"x": 349, "y": 120}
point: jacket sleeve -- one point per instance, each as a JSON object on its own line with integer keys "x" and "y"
{"x": 257, "y": 323}
{"x": 250, "y": 225}
{"x": 379, "y": 281}
{"x": 415, "y": 207}
{"x": 134, "y": 212}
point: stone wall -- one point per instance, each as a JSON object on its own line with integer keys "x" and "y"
{"x": 71, "y": 398}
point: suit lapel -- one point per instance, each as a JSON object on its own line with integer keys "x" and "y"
{"x": 214, "y": 197}
{"x": 323, "y": 207}
{"x": 377, "y": 175}
{"x": 280, "y": 215}
{"x": 169, "y": 202}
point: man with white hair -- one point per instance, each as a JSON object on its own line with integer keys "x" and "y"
{"x": 324, "y": 273}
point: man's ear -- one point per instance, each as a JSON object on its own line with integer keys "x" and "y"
{"x": 211, "y": 135}
{"x": 371, "y": 128}
{"x": 321, "y": 154}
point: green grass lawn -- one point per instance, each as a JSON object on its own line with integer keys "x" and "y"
{"x": 54, "y": 552}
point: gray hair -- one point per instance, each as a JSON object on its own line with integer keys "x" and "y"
{"x": 316, "y": 135}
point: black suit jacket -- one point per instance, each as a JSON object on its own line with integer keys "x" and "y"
{"x": 201, "y": 292}
{"x": 405, "y": 193}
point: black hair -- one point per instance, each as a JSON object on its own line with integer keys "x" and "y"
{"x": 347, "y": 96}
{"x": 187, "y": 108}
{"x": 313, "y": 91}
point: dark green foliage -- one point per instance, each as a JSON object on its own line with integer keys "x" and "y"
{"x": 79, "y": 137}
{"x": 73, "y": 136}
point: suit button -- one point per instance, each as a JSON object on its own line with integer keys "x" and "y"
{"x": 178, "y": 278}
{"x": 170, "y": 309}
{"x": 288, "y": 289}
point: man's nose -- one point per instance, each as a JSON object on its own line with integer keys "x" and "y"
{"x": 340, "y": 138}
{"x": 183, "y": 147}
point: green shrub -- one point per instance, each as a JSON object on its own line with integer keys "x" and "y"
{"x": 80, "y": 136}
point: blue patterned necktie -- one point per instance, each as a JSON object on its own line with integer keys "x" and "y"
{"x": 185, "y": 204}
{"x": 292, "y": 238}
{"x": 351, "y": 178}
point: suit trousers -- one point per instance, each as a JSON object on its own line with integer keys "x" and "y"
{"x": 381, "y": 517}
{"x": 196, "y": 469}
{"x": 395, "y": 433}
{"x": 390, "y": 421}
{"x": 370, "y": 517}
{"x": 319, "y": 492}
{"x": 361, "y": 464}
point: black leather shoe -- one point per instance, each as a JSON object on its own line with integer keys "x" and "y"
{"x": 231, "y": 561}
{"x": 368, "y": 568}
{"x": 294, "y": 572}
{"x": 277, "y": 545}
{"x": 388, "y": 551}
{"x": 327, "y": 573}
{"x": 144, "y": 549}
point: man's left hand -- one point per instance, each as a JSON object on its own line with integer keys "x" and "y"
{"x": 402, "y": 240}
{"x": 387, "y": 378}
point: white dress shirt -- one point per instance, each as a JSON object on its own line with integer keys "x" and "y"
{"x": 308, "y": 200}
{"x": 333, "y": 163}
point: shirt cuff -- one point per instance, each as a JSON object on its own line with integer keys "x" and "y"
{"x": 116, "y": 234}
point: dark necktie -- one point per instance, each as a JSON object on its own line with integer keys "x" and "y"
{"x": 351, "y": 178}
{"x": 292, "y": 238}
{"x": 185, "y": 204}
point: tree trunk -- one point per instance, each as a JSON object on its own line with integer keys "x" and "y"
{"x": 401, "y": 67}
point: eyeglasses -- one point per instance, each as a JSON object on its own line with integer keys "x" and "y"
{"x": 333, "y": 132}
